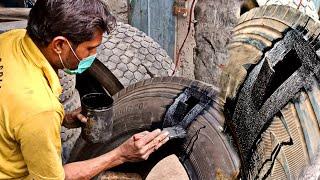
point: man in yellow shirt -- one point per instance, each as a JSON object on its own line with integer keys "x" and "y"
{"x": 61, "y": 34}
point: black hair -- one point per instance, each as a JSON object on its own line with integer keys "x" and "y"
{"x": 76, "y": 20}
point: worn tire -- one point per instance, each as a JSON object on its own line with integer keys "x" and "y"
{"x": 274, "y": 157}
{"x": 69, "y": 136}
{"x": 257, "y": 31}
{"x": 132, "y": 56}
{"x": 141, "y": 106}
{"x": 68, "y": 84}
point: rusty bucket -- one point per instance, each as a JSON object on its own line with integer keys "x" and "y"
{"x": 97, "y": 107}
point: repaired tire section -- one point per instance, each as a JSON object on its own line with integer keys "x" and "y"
{"x": 257, "y": 31}
{"x": 205, "y": 153}
{"x": 132, "y": 56}
{"x": 290, "y": 140}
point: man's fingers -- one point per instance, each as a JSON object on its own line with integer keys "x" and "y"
{"x": 82, "y": 118}
{"x": 158, "y": 139}
{"x": 148, "y": 138}
{"x": 154, "y": 148}
{"x": 162, "y": 143}
{"x": 139, "y": 136}
{"x": 147, "y": 154}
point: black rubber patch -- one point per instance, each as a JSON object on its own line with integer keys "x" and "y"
{"x": 287, "y": 68}
{"x": 186, "y": 107}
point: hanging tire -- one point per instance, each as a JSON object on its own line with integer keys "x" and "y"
{"x": 142, "y": 106}
{"x": 276, "y": 147}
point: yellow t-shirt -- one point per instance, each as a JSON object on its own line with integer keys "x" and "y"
{"x": 30, "y": 112}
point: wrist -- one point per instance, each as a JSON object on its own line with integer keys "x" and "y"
{"x": 120, "y": 155}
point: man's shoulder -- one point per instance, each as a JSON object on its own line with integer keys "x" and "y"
{"x": 9, "y": 38}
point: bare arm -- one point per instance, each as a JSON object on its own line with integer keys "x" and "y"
{"x": 89, "y": 168}
{"x": 136, "y": 148}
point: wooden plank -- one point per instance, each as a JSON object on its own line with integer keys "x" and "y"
{"x": 139, "y": 15}
{"x": 162, "y": 24}
{"x": 155, "y": 18}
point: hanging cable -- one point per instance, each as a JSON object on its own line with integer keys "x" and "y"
{"x": 177, "y": 61}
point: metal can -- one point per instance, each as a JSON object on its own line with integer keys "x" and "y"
{"x": 97, "y": 107}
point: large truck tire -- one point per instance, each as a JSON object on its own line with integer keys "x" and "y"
{"x": 205, "y": 153}
{"x": 279, "y": 147}
{"x": 132, "y": 56}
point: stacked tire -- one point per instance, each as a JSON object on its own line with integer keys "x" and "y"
{"x": 289, "y": 141}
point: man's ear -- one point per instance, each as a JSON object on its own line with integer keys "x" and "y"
{"x": 59, "y": 45}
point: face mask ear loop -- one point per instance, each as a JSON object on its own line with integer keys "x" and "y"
{"x": 73, "y": 51}
{"x": 61, "y": 61}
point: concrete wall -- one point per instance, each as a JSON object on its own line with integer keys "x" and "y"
{"x": 119, "y": 8}
{"x": 205, "y": 52}
{"x": 187, "y": 64}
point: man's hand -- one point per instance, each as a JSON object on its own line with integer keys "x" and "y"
{"x": 141, "y": 145}
{"x": 137, "y": 148}
{"x": 74, "y": 119}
